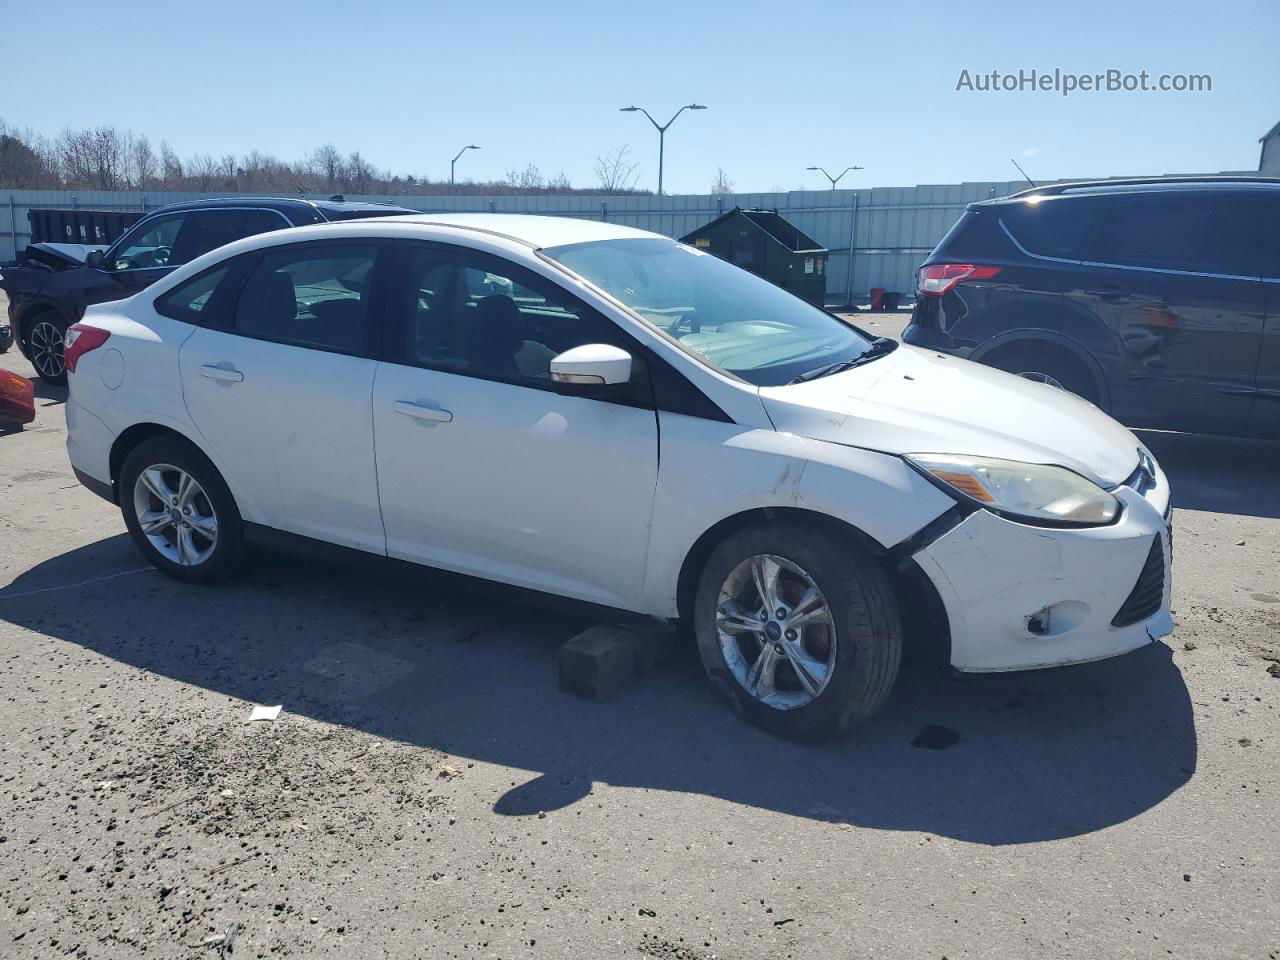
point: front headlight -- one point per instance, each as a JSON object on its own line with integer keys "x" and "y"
{"x": 1026, "y": 491}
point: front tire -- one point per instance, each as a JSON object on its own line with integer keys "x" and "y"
{"x": 44, "y": 343}
{"x": 798, "y": 629}
{"x": 179, "y": 511}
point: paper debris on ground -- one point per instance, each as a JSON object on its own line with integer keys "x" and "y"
{"x": 265, "y": 713}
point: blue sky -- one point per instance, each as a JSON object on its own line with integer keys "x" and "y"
{"x": 787, "y": 85}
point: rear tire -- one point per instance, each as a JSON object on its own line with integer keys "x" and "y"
{"x": 821, "y": 676}
{"x": 1047, "y": 365}
{"x": 43, "y": 338}
{"x": 179, "y": 511}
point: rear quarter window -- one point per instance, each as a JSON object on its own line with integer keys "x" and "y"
{"x": 1054, "y": 226}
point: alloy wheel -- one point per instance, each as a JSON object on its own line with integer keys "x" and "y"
{"x": 45, "y": 344}
{"x": 175, "y": 514}
{"x": 776, "y": 631}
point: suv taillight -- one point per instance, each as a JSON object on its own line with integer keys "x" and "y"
{"x": 80, "y": 339}
{"x": 938, "y": 278}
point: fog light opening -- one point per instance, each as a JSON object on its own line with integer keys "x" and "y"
{"x": 1057, "y": 619}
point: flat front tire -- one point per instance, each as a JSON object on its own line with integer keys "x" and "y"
{"x": 179, "y": 511}
{"x": 797, "y": 628}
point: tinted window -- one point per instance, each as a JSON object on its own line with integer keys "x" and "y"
{"x": 1054, "y": 226}
{"x": 151, "y": 245}
{"x": 489, "y": 319}
{"x": 1193, "y": 234}
{"x": 187, "y": 301}
{"x": 314, "y": 296}
{"x": 209, "y": 229}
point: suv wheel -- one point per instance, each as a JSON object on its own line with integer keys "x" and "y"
{"x": 1048, "y": 366}
{"x": 44, "y": 340}
{"x": 801, "y": 633}
{"x": 179, "y": 511}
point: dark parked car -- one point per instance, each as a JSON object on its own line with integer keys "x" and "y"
{"x": 1158, "y": 299}
{"x": 51, "y": 291}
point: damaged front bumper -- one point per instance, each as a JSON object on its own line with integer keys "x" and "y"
{"x": 1020, "y": 597}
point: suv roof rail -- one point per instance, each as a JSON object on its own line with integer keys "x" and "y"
{"x": 1059, "y": 188}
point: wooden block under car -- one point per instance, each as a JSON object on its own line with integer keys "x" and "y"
{"x": 602, "y": 660}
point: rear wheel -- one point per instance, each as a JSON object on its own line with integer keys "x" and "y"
{"x": 44, "y": 340}
{"x": 801, "y": 633}
{"x": 1050, "y": 366}
{"x": 180, "y": 512}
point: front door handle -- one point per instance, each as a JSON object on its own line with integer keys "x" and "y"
{"x": 225, "y": 374}
{"x": 419, "y": 412}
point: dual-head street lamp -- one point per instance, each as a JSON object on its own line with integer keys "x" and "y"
{"x": 662, "y": 129}
{"x": 454, "y": 161}
{"x": 834, "y": 180}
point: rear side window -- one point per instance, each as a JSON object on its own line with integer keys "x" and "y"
{"x": 188, "y": 301}
{"x": 315, "y": 296}
{"x": 209, "y": 229}
{"x": 1053, "y": 227}
{"x": 1192, "y": 234}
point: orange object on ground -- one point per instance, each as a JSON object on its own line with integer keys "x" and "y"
{"x": 17, "y": 398}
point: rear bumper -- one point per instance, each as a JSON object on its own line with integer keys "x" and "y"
{"x": 89, "y": 443}
{"x": 994, "y": 576}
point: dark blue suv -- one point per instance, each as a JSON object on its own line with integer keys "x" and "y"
{"x": 48, "y": 296}
{"x": 1158, "y": 299}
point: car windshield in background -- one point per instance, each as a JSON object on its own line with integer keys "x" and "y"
{"x": 733, "y": 319}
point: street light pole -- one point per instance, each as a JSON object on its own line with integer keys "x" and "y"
{"x": 662, "y": 130}
{"x": 834, "y": 180}
{"x": 454, "y": 161}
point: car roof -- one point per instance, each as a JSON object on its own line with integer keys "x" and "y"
{"x": 1136, "y": 185}
{"x": 529, "y": 229}
{"x": 280, "y": 203}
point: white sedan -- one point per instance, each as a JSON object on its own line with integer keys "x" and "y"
{"x": 608, "y": 415}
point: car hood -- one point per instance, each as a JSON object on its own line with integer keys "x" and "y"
{"x": 918, "y": 401}
{"x": 61, "y": 256}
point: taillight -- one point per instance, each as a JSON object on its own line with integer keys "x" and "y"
{"x": 938, "y": 278}
{"x": 80, "y": 339}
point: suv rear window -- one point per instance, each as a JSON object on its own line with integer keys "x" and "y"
{"x": 1054, "y": 226}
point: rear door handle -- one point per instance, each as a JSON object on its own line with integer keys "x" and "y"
{"x": 419, "y": 412}
{"x": 225, "y": 374}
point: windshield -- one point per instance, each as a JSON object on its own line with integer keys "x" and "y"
{"x": 733, "y": 319}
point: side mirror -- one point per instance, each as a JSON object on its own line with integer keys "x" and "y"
{"x": 592, "y": 370}
{"x": 94, "y": 259}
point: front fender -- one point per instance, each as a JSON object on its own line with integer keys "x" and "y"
{"x": 712, "y": 471}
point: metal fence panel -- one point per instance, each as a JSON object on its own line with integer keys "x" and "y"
{"x": 877, "y": 236}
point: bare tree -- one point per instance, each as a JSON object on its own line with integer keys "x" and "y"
{"x": 360, "y": 174}
{"x": 721, "y": 185}
{"x": 141, "y": 162}
{"x": 202, "y": 170}
{"x": 170, "y": 165}
{"x": 327, "y": 162}
{"x": 615, "y": 171}
{"x": 530, "y": 178}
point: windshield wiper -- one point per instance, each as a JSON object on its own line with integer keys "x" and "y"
{"x": 879, "y": 347}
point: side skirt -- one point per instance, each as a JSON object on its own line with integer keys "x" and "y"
{"x": 271, "y": 540}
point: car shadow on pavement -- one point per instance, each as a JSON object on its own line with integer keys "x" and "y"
{"x": 467, "y": 669}
{"x": 1219, "y": 474}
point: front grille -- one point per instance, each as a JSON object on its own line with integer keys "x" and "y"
{"x": 1148, "y": 593}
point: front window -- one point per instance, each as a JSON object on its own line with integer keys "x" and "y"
{"x": 734, "y": 320}
{"x": 150, "y": 246}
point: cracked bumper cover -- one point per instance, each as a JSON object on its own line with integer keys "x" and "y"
{"x": 993, "y": 575}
